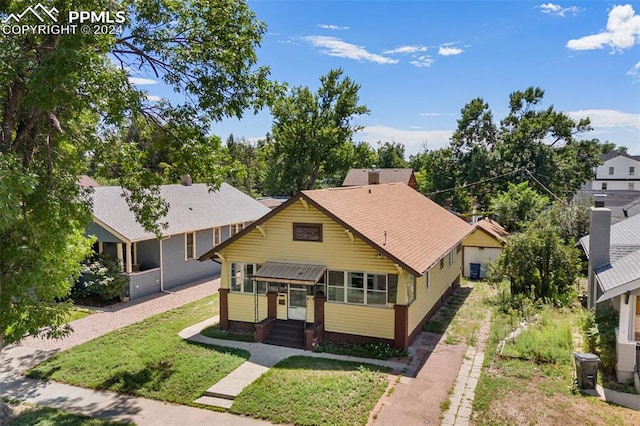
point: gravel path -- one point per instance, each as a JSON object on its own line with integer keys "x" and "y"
{"x": 123, "y": 314}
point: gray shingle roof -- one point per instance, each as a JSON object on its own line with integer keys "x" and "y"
{"x": 190, "y": 208}
{"x": 624, "y": 233}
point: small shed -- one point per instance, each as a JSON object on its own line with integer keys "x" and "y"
{"x": 482, "y": 246}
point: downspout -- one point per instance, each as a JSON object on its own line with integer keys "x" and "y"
{"x": 162, "y": 268}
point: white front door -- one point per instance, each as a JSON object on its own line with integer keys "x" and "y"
{"x": 297, "y": 302}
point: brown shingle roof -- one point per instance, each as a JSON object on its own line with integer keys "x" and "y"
{"x": 87, "y": 182}
{"x": 492, "y": 228}
{"x": 396, "y": 220}
{"x": 359, "y": 177}
{"x": 400, "y": 221}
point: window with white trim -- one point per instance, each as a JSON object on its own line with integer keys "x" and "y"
{"x": 216, "y": 236}
{"x": 452, "y": 257}
{"x": 235, "y": 228}
{"x": 242, "y": 278}
{"x": 632, "y": 170}
{"x": 360, "y": 288}
{"x": 604, "y": 185}
{"x": 428, "y": 279}
{"x": 611, "y": 171}
{"x": 189, "y": 246}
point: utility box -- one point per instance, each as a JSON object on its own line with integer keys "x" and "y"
{"x": 474, "y": 271}
{"x": 586, "y": 370}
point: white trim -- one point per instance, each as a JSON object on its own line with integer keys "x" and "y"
{"x": 217, "y": 232}
{"x": 193, "y": 253}
{"x": 428, "y": 279}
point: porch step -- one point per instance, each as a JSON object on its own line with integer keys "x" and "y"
{"x": 287, "y": 333}
{"x": 214, "y": 402}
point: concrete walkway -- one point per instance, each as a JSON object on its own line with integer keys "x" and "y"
{"x": 459, "y": 411}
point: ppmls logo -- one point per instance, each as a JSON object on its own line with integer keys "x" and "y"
{"x": 39, "y": 11}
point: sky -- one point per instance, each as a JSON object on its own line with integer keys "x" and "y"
{"x": 419, "y": 62}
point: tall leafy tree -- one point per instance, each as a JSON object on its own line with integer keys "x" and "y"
{"x": 518, "y": 206}
{"x": 391, "y": 156}
{"x": 312, "y": 134}
{"x": 66, "y": 96}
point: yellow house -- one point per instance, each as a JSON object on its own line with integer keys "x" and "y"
{"x": 357, "y": 264}
{"x": 482, "y": 246}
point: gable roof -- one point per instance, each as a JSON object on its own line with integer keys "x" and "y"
{"x": 87, "y": 182}
{"x": 191, "y": 208}
{"x": 360, "y": 177}
{"x": 492, "y": 228}
{"x": 623, "y": 269}
{"x": 394, "y": 219}
{"x": 615, "y": 153}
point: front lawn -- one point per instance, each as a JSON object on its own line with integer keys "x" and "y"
{"x": 148, "y": 359}
{"x": 314, "y": 391}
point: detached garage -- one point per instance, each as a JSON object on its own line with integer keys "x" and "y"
{"x": 482, "y": 246}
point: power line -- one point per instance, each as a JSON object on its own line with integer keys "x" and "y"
{"x": 467, "y": 185}
{"x": 540, "y": 183}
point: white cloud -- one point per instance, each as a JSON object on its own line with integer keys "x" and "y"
{"x": 332, "y": 27}
{"x": 623, "y": 32}
{"x": 608, "y": 118}
{"x": 405, "y": 50}
{"x": 153, "y": 98}
{"x": 634, "y": 72}
{"x": 422, "y": 61}
{"x": 430, "y": 114}
{"x": 413, "y": 140}
{"x": 557, "y": 10}
{"x": 333, "y": 46}
{"x": 142, "y": 81}
{"x": 449, "y": 51}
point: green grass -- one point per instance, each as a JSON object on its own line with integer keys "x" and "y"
{"x": 76, "y": 314}
{"x": 148, "y": 359}
{"x": 215, "y": 332}
{"x": 44, "y": 416}
{"x": 314, "y": 391}
{"x": 366, "y": 350}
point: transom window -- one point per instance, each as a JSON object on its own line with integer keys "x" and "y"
{"x": 190, "y": 246}
{"x": 361, "y": 288}
{"x": 307, "y": 232}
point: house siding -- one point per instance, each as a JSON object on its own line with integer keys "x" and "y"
{"x": 359, "y": 320}
{"x": 479, "y": 255}
{"x": 480, "y": 238}
{"x": 245, "y": 307}
{"x": 144, "y": 283}
{"x": 177, "y": 270}
{"x": 441, "y": 281}
{"x": 102, "y": 234}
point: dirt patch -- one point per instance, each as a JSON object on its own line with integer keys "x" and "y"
{"x": 94, "y": 301}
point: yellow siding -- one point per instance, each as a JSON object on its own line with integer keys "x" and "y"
{"x": 242, "y": 307}
{"x": 441, "y": 279}
{"x": 310, "y": 309}
{"x": 479, "y": 238}
{"x": 359, "y": 320}
{"x": 336, "y": 250}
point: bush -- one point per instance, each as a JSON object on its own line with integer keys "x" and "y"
{"x": 101, "y": 276}
{"x": 599, "y": 332}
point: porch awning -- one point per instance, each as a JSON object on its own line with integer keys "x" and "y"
{"x": 290, "y": 273}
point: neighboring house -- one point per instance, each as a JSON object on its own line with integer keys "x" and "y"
{"x": 623, "y": 204}
{"x": 619, "y": 172}
{"x": 482, "y": 246}
{"x": 357, "y": 264}
{"x": 272, "y": 202}
{"x": 359, "y": 177}
{"x": 197, "y": 220}
{"x": 614, "y": 278}
{"x": 87, "y": 182}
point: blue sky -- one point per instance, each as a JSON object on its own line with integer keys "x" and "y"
{"x": 419, "y": 62}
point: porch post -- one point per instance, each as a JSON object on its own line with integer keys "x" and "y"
{"x": 401, "y": 328}
{"x": 120, "y": 256}
{"x": 129, "y": 258}
{"x": 224, "y": 308}
{"x": 100, "y": 247}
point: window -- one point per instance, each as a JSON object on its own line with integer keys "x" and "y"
{"x": 235, "y": 228}
{"x": 458, "y": 248}
{"x": 216, "y": 236}
{"x": 631, "y": 186}
{"x": 428, "y": 279}
{"x": 411, "y": 288}
{"x": 190, "y": 246}
{"x": 442, "y": 263}
{"x": 452, "y": 257}
{"x": 604, "y": 185}
{"x": 632, "y": 170}
{"x": 307, "y": 232}
{"x": 610, "y": 171}
{"x": 361, "y": 288}
{"x": 242, "y": 278}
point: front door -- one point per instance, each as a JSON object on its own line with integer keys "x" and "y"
{"x": 297, "y": 302}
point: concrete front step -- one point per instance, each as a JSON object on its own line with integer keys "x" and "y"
{"x": 215, "y": 402}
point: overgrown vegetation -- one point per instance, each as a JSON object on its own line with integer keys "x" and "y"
{"x": 314, "y": 391}
{"x": 363, "y": 350}
{"x": 148, "y": 358}
{"x": 598, "y": 329}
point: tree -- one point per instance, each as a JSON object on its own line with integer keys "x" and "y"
{"x": 538, "y": 263}
{"x": 66, "y": 96}
{"x": 391, "y": 156}
{"x": 517, "y": 207}
{"x": 312, "y": 134}
{"x": 438, "y": 177}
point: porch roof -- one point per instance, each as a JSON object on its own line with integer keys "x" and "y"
{"x": 620, "y": 276}
{"x": 294, "y": 273}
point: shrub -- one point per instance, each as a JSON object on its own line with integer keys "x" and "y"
{"x": 599, "y": 333}
{"x": 101, "y": 276}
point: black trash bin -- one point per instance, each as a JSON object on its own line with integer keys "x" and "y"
{"x": 586, "y": 370}
{"x": 474, "y": 271}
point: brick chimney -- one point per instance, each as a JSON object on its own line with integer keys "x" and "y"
{"x": 599, "y": 247}
{"x": 374, "y": 176}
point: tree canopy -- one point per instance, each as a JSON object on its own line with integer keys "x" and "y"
{"x": 68, "y": 98}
